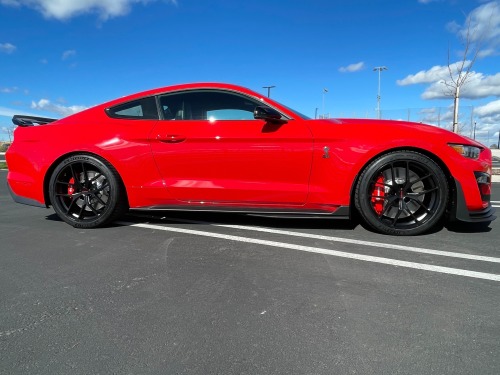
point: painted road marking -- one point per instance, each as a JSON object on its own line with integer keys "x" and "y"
{"x": 317, "y": 250}
{"x": 495, "y": 203}
{"x": 345, "y": 240}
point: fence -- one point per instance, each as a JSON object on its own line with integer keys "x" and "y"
{"x": 437, "y": 116}
{"x": 469, "y": 124}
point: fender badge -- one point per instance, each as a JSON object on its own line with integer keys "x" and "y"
{"x": 326, "y": 152}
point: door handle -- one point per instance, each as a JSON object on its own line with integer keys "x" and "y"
{"x": 171, "y": 138}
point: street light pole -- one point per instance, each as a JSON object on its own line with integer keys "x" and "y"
{"x": 379, "y": 69}
{"x": 268, "y": 90}
{"x": 324, "y": 92}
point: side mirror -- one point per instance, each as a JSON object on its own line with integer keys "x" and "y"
{"x": 267, "y": 114}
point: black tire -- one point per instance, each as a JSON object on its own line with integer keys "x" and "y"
{"x": 87, "y": 192}
{"x": 402, "y": 193}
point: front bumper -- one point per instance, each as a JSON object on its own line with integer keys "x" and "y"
{"x": 460, "y": 212}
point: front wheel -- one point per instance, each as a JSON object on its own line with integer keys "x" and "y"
{"x": 402, "y": 193}
{"x": 86, "y": 192}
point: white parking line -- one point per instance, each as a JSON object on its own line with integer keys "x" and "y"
{"x": 495, "y": 204}
{"x": 346, "y": 240}
{"x": 366, "y": 258}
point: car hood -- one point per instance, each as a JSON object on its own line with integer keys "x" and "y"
{"x": 403, "y": 129}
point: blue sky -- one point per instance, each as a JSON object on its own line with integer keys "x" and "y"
{"x": 60, "y": 56}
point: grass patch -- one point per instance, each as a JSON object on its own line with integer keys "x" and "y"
{"x": 4, "y": 146}
{"x": 3, "y": 165}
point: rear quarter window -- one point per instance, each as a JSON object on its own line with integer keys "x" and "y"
{"x": 141, "y": 109}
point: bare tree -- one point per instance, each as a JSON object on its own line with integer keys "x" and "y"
{"x": 461, "y": 72}
{"x": 9, "y": 130}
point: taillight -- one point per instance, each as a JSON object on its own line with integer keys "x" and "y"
{"x": 484, "y": 184}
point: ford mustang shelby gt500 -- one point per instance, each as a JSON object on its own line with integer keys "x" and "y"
{"x": 220, "y": 147}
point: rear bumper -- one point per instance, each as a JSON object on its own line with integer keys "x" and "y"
{"x": 23, "y": 200}
{"x": 460, "y": 212}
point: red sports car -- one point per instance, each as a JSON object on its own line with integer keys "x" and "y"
{"x": 220, "y": 147}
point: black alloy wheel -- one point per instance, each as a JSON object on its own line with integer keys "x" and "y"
{"x": 402, "y": 193}
{"x": 87, "y": 192}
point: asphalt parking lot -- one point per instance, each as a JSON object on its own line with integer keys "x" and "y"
{"x": 177, "y": 293}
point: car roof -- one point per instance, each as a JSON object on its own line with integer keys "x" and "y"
{"x": 189, "y": 86}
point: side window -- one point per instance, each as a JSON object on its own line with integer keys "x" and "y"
{"x": 144, "y": 109}
{"x": 230, "y": 114}
{"x": 207, "y": 105}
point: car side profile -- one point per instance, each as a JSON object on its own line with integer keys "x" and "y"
{"x": 221, "y": 147}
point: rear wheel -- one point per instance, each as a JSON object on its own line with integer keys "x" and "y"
{"x": 86, "y": 192}
{"x": 402, "y": 193}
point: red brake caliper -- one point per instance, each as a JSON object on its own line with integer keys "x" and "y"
{"x": 378, "y": 195}
{"x": 71, "y": 188}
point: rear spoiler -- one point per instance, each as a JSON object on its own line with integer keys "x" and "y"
{"x": 31, "y": 120}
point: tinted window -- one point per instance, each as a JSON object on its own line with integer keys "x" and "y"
{"x": 138, "y": 109}
{"x": 207, "y": 105}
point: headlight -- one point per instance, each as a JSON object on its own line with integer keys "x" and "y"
{"x": 471, "y": 152}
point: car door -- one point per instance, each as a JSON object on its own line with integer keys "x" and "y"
{"x": 210, "y": 150}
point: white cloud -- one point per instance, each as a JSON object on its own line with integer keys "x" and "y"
{"x": 453, "y": 27}
{"x": 352, "y": 68}
{"x": 47, "y": 105}
{"x": 488, "y": 119}
{"x": 481, "y": 28}
{"x": 68, "y": 54}
{"x": 9, "y": 112}
{"x": 8, "y": 90}
{"x": 484, "y": 23}
{"x": 434, "y": 74}
{"x": 479, "y": 86}
{"x": 9, "y": 2}
{"x": 7, "y": 48}
{"x": 490, "y": 109}
{"x": 485, "y": 52}
{"x": 65, "y": 9}
{"x": 482, "y": 86}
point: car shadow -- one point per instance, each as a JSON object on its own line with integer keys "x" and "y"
{"x": 202, "y": 218}
{"x": 53, "y": 217}
{"x": 197, "y": 218}
{"x": 468, "y": 227}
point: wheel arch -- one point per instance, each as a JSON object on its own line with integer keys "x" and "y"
{"x": 452, "y": 198}
{"x": 55, "y": 163}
